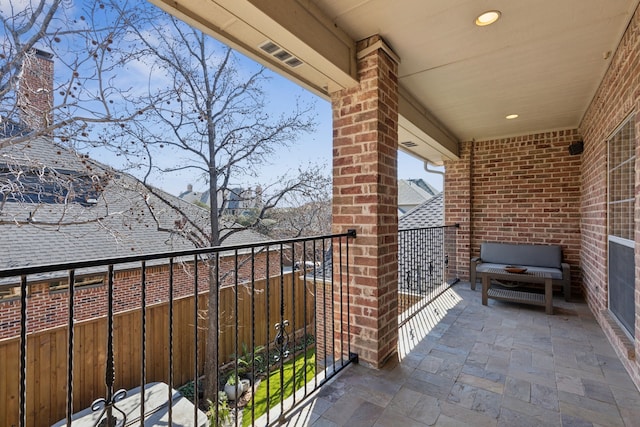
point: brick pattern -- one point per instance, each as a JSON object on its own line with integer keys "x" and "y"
{"x": 457, "y": 202}
{"x": 35, "y": 94}
{"x": 47, "y": 308}
{"x": 365, "y": 197}
{"x": 523, "y": 189}
{"x": 617, "y": 97}
{"x": 324, "y": 321}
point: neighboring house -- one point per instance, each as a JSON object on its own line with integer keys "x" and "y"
{"x": 233, "y": 201}
{"x": 412, "y": 193}
{"x": 59, "y": 206}
{"x": 421, "y": 183}
{"x": 195, "y": 197}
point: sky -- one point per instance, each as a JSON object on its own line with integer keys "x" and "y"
{"x": 314, "y": 148}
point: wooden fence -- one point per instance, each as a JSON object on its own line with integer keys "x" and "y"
{"x": 47, "y": 349}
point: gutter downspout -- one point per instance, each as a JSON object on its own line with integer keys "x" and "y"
{"x": 426, "y": 168}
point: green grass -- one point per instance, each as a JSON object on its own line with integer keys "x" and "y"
{"x": 290, "y": 384}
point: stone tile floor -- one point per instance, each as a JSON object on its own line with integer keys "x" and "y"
{"x": 464, "y": 364}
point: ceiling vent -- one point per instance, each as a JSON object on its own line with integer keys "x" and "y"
{"x": 409, "y": 144}
{"x": 280, "y": 54}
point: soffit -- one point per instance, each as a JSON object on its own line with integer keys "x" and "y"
{"x": 543, "y": 59}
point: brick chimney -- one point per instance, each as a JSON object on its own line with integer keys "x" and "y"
{"x": 35, "y": 90}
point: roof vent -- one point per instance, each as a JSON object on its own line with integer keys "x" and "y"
{"x": 294, "y": 62}
{"x": 270, "y": 47}
{"x": 280, "y": 54}
{"x": 409, "y": 144}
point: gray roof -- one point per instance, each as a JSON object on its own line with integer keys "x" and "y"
{"x": 421, "y": 183}
{"x": 195, "y": 196}
{"x": 108, "y": 213}
{"x": 428, "y": 214}
{"x": 411, "y": 194}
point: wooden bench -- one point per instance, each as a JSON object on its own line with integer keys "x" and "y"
{"x": 513, "y": 295}
{"x": 535, "y": 258}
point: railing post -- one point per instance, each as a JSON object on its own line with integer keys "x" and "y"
{"x": 70, "y": 347}
{"x": 23, "y": 351}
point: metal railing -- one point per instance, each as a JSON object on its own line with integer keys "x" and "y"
{"x": 427, "y": 260}
{"x": 134, "y": 346}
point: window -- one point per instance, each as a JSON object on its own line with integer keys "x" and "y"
{"x": 622, "y": 182}
{"x": 8, "y": 292}
{"x": 621, "y": 203}
{"x": 79, "y": 282}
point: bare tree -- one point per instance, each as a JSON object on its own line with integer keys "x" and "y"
{"x": 199, "y": 107}
{"x": 304, "y": 216}
{"x": 215, "y": 118}
{"x": 90, "y": 46}
{"x": 45, "y": 111}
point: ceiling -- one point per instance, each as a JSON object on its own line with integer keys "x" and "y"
{"x": 542, "y": 60}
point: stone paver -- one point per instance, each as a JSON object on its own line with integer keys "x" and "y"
{"x": 499, "y": 365}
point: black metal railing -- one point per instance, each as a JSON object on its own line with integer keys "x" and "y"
{"x": 133, "y": 347}
{"x": 427, "y": 265}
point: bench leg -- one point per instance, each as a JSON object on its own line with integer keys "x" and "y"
{"x": 472, "y": 276}
{"x": 485, "y": 288}
{"x": 548, "y": 295}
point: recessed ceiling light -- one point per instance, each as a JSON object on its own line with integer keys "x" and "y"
{"x": 488, "y": 18}
{"x": 511, "y": 116}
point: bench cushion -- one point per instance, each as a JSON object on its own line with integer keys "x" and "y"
{"x": 555, "y": 273}
{"x": 549, "y": 256}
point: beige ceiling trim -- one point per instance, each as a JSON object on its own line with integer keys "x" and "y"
{"x": 327, "y": 53}
{"x": 422, "y": 124}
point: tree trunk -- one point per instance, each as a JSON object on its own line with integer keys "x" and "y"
{"x": 211, "y": 352}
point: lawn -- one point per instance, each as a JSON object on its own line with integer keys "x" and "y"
{"x": 289, "y": 385}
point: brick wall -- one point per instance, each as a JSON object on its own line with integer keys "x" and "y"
{"x": 457, "y": 202}
{"x": 617, "y": 97}
{"x": 528, "y": 189}
{"x": 48, "y": 308}
{"x": 524, "y": 189}
{"x": 365, "y": 197}
{"x": 324, "y": 321}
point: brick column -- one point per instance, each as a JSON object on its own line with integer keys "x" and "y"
{"x": 365, "y": 198}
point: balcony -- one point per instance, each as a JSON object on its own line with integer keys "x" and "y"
{"x": 460, "y": 363}
{"x": 130, "y": 335}
{"x": 457, "y": 361}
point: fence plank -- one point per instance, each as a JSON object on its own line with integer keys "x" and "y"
{"x": 47, "y": 358}
{"x": 9, "y": 381}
